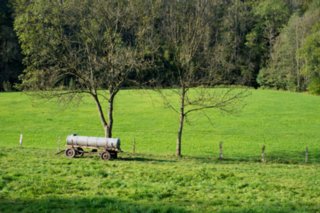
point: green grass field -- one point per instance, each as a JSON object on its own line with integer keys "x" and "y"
{"x": 33, "y": 178}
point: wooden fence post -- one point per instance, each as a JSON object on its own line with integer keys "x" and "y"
{"x": 307, "y": 154}
{"x": 221, "y": 151}
{"x": 263, "y": 159}
{"x": 134, "y": 146}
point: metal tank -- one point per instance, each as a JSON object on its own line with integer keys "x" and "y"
{"x": 98, "y": 142}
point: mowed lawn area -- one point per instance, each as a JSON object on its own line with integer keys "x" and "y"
{"x": 33, "y": 178}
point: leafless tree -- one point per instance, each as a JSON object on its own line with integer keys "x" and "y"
{"x": 186, "y": 30}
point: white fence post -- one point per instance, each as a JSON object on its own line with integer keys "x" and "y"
{"x": 21, "y": 138}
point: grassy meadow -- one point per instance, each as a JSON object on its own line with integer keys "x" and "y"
{"x": 33, "y": 178}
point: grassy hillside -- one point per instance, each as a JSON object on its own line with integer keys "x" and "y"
{"x": 285, "y": 122}
{"x": 34, "y": 179}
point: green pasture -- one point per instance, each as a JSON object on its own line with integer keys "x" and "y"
{"x": 33, "y": 178}
{"x": 285, "y": 122}
{"x": 37, "y": 180}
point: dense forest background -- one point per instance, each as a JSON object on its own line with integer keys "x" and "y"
{"x": 264, "y": 43}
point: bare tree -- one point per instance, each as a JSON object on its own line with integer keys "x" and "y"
{"x": 82, "y": 47}
{"x": 186, "y": 30}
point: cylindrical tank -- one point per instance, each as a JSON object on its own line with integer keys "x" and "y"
{"x": 75, "y": 140}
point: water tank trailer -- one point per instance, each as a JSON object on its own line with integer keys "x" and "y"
{"x": 108, "y": 147}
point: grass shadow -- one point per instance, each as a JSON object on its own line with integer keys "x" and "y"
{"x": 131, "y": 157}
{"x": 277, "y": 157}
{"x": 2, "y": 155}
{"x": 92, "y": 204}
{"x": 107, "y": 204}
{"x": 292, "y": 157}
{"x": 146, "y": 158}
{"x": 280, "y": 157}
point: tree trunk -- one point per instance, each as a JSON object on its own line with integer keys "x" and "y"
{"x": 182, "y": 117}
{"x": 106, "y": 131}
{"x": 179, "y": 139}
{"x": 110, "y": 115}
{"x": 101, "y": 114}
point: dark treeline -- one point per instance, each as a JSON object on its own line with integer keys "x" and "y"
{"x": 268, "y": 43}
{"x": 10, "y": 53}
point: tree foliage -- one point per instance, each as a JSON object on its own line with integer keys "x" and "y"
{"x": 287, "y": 68}
{"x": 248, "y": 38}
{"x": 73, "y": 48}
{"x": 310, "y": 54}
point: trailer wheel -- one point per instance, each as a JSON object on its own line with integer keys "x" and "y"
{"x": 70, "y": 153}
{"x": 79, "y": 152}
{"x": 105, "y": 155}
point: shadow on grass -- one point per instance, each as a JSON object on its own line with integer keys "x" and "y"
{"x": 292, "y": 157}
{"x": 126, "y": 157}
{"x": 106, "y": 204}
{"x": 275, "y": 157}
{"x": 145, "y": 159}
{"x": 140, "y": 158}
{"x": 280, "y": 157}
{"x": 2, "y": 155}
{"x": 93, "y": 204}
{"x": 274, "y": 208}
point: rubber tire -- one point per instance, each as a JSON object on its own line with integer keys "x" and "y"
{"x": 105, "y": 155}
{"x": 70, "y": 153}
